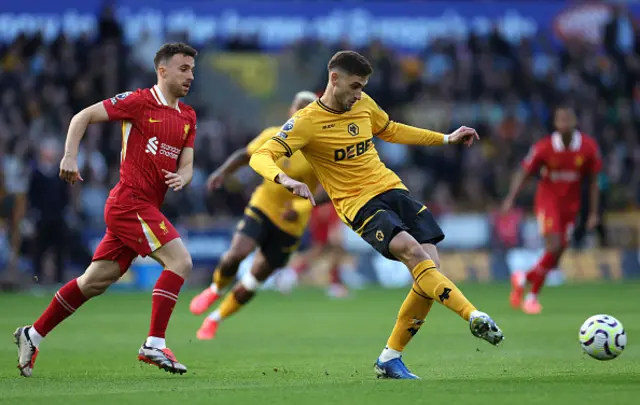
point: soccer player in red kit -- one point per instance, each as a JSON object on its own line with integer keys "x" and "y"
{"x": 158, "y": 133}
{"x": 563, "y": 159}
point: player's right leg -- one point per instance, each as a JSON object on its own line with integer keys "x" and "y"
{"x": 96, "y": 279}
{"x": 553, "y": 232}
{"x": 243, "y": 243}
{"x": 243, "y": 292}
{"x": 411, "y": 239}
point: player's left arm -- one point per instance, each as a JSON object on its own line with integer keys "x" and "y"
{"x": 294, "y": 135}
{"x": 182, "y": 177}
{"x": 394, "y": 132}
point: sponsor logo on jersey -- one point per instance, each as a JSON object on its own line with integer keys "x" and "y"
{"x": 352, "y": 151}
{"x": 186, "y": 130}
{"x": 152, "y": 146}
{"x": 165, "y": 150}
{"x": 282, "y": 135}
{"x": 564, "y": 176}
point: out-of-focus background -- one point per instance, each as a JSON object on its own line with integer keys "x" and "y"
{"x": 500, "y": 66}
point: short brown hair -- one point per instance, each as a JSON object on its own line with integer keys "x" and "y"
{"x": 351, "y": 62}
{"x": 167, "y": 51}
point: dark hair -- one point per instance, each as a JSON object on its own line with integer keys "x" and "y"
{"x": 350, "y": 62}
{"x": 167, "y": 51}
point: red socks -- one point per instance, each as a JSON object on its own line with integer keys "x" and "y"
{"x": 66, "y": 301}
{"x": 69, "y": 298}
{"x": 538, "y": 273}
{"x": 164, "y": 299}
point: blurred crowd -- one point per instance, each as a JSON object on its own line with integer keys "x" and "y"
{"x": 506, "y": 90}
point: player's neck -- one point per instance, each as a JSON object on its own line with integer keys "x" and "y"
{"x": 567, "y": 138}
{"x": 328, "y": 100}
{"x": 172, "y": 101}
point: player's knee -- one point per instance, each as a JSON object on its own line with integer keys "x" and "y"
{"x": 183, "y": 266}
{"x": 408, "y": 251}
{"x": 554, "y": 245}
{"x": 96, "y": 280}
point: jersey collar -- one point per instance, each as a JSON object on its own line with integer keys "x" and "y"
{"x": 157, "y": 94}
{"x": 558, "y": 145}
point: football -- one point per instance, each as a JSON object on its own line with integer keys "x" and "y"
{"x": 602, "y": 337}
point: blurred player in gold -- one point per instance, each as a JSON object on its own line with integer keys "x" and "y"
{"x": 335, "y": 134}
{"x": 274, "y": 221}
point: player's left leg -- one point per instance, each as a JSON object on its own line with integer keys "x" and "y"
{"x": 408, "y": 232}
{"x": 555, "y": 245}
{"x": 243, "y": 291}
{"x": 274, "y": 253}
{"x": 176, "y": 260}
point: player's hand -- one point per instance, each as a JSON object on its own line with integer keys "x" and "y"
{"x": 592, "y": 221}
{"x": 215, "y": 181}
{"x": 69, "y": 169}
{"x": 507, "y": 205}
{"x": 174, "y": 180}
{"x": 463, "y": 135}
{"x": 296, "y": 187}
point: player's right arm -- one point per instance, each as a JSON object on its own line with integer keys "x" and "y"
{"x": 120, "y": 107}
{"x": 530, "y": 165}
{"x": 294, "y": 135}
{"x": 237, "y": 159}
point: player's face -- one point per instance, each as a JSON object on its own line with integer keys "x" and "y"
{"x": 565, "y": 121}
{"x": 347, "y": 89}
{"x": 178, "y": 73}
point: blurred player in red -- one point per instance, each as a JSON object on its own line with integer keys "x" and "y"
{"x": 158, "y": 133}
{"x": 563, "y": 159}
{"x": 326, "y": 242}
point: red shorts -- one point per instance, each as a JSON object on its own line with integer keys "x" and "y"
{"x": 132, "y": 231}
{"x": 323, "y": 220}
{"x": 555, "y": 220}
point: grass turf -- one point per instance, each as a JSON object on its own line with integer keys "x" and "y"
{"x": 307, "y": 349}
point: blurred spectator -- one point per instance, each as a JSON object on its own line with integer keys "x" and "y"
{"x": 49, "y": 202}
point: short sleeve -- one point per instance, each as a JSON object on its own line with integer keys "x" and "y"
{"x": 534, "y": 159}
{"x": 124, "y": 106}
{"x": 294, "y": 134}
{"x": 379, "y": 117}
{"x": 191, "y": 133}
{"x": 260, "y": 140}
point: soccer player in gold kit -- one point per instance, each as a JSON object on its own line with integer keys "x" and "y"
{"x": 335, "y": 134}
{"x": 274, "y": 221}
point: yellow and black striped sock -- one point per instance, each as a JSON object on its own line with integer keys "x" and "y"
{"x": 440, "y": 288}
{"x": 221, "y": 281}
{"x": 413, "y": 311}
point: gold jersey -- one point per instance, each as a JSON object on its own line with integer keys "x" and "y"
{"x": 339, "y": 146}
{"x": 272, "y": 199}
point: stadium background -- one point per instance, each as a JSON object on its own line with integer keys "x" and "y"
{"x": 499, "y": 66}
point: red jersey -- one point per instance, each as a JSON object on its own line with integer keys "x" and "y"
{"x": 563, "y": 169}
{"x": 153, "y": 137}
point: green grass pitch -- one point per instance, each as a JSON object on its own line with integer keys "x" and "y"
{"x": 307, "y": 349}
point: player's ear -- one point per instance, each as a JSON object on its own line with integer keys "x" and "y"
{"x": 161, "y": 70}
{"x": 334, "y": 77}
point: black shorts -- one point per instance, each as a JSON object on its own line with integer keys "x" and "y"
{"x": 390, "y": 213}
{"x": 275, "y": 244}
